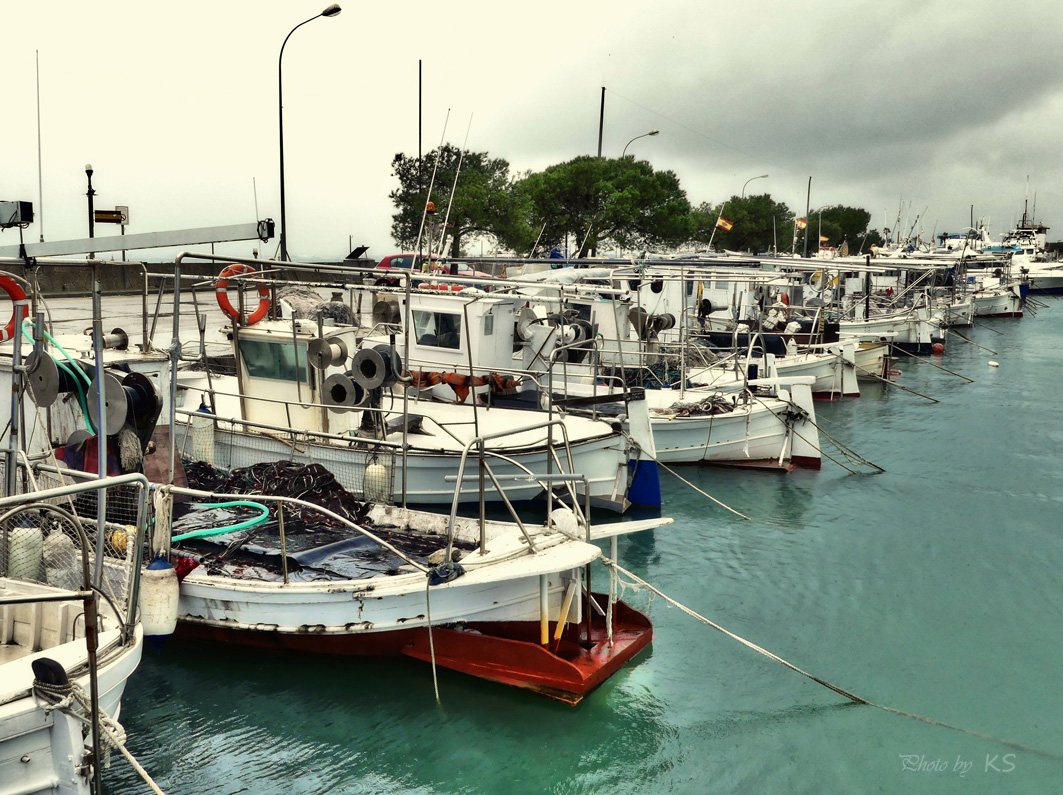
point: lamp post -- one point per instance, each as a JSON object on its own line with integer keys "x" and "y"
{"x": 651, "y": 132}
{"x": 331, "y": 11}
{"x": 762, "y": 176}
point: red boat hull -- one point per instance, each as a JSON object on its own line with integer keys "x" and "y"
{"x": 504, "y": 651}
{"x": 510, "y": 653}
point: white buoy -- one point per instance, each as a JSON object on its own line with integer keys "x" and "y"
{"x": 376, "y": 485}
{"x": 564, "y": 519}
{"x": 26, "y": 554}
{"x": 994, "y": 364}
{"x": 159, "y": 593}
{"x": 203, "y": 437}
{"x": 62, "y": 562}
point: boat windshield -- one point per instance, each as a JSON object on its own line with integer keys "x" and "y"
{"x": 437, "y": 329}
{"x": 274, "y": 360}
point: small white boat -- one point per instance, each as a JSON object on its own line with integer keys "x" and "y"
{"x": 498, "y": 600}
{"x": 59, "y": 641}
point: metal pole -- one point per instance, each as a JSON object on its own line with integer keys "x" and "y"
{"x": 90, "y": 194}
{"x": 601, "y": 123}
{"x": 808, "y": 207}
{"x": 331, "y": 11}
{"x": 40, "y": 178}
{"x": 17, "y": 382}
{"x": 101, "y": 422}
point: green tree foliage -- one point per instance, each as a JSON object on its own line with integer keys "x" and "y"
{"x": 840, "y": 224}
{"x": 596, "y": 201}
{"x": 484, "y": 202}
{"x": 757, "y": 221}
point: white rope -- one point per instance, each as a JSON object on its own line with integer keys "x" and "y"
{"x": 72, "y": 694}
{"x": 431, "y": 642}
{"x": 162, "y": 503}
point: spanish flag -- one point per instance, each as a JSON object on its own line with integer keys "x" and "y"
{"x": 823, "y": 238}
{"x": 724, "y": 224}
{"x": 801, "y": 223}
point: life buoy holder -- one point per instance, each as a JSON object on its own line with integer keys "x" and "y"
{"x": 222, "y": 293}
{"x": 821, "y": 280}
{"x": 18, "y": 296}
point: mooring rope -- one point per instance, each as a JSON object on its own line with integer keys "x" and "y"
{"x": 431, "y": 642}
{"x": 638, "y": 582}
{"x": 65, "y": 697}
{"x": 852, "y": 455}
{"x": 637, "y": 450}
{"x": 938, "y": 366}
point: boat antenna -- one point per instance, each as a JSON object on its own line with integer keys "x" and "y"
{"x": 453, "y": 187}
{"x": 40, "y": 180}
{"x": 254, "y": 190}
{"x": 431, "y": 184}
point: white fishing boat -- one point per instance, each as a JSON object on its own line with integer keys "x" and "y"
{"x": 584, "y": 354}
{"x": 506, "y": 601}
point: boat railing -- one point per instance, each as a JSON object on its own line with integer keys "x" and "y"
{"x": 546, "y": 481}
{"x": 44, "y": 536}
{"x": 280, "y": 502}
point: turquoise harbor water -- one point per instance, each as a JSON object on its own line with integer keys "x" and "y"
{"x": 932, "y": 588}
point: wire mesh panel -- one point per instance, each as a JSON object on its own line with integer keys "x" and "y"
{"x": 44, "y": 544}
{"x": 38, "y": 537}
{"x": 364, "y": 467}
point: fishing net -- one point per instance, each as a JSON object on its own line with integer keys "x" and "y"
{"x": 311, "y": 483}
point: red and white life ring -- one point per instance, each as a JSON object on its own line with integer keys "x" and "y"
{"x": 222, "y": 293}
{"x": 18, "y": 296}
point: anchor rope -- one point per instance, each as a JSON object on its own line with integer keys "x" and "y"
{"x": 846, "y": 452}
{"x": 431, "y": 641}
{"x": 72, "y": 700}
{"x": 639, "y": 583}
{"x": 636, "y": 449}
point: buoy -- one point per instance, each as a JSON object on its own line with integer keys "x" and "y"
{"x": 118, "y": 541}
{"x": 376, "y": 485}
{"x": 62, "y": 562}
{"x": 26, "y": 554}
{"x": 937, "y": 347}
{"x": 159, "y": 593}
{"x": 994, "y": 364}
{"x": 565, "y": 521}
{"x": 895, "y": 372}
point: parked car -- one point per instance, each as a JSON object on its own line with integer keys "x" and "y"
{"x": 399, "y": 262}
{"x": 426, "y": 266}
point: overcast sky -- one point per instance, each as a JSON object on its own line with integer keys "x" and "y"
{"x": 926, "y": 108}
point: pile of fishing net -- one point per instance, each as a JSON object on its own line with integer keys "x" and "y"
{"x": 716, "y": 404}
{"x": 308, "y": 482}
{"x": 308, "y": 305}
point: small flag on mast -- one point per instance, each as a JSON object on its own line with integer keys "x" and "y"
{"x": 724, "y": 224}
{"x": 801, "y": 223}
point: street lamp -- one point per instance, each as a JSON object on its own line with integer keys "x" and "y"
{"x": 651, "y": 132}
{"x": 331, "y": 11}
{"x": 762, "y": 176}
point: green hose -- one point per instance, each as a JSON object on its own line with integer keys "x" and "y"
{"x": 214, "y": 531}
{"x": 73, "y": 371}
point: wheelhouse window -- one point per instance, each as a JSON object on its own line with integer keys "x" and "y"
{"x": 437, "y": 329}
{"x": 275, "y": 360}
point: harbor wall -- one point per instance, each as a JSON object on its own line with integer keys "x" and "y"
{"x": 74, "y": 280}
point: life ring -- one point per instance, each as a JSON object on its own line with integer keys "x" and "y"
{"x": 821, "y": 280}
{"x": 222, "y": 293}
{"x": 18, "y": 296}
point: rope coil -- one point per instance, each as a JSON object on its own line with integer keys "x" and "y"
{"x": 71, "y": 699}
